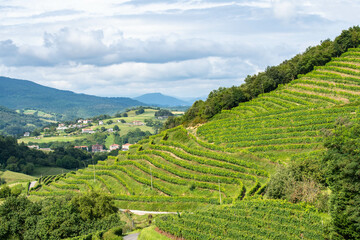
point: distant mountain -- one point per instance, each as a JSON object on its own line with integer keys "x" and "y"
{"x": 159, "y": 99}
{"x": 23, "y": 94}
{"x": 13, "y": 123}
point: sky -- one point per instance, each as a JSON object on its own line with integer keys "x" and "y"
{"x": 181, "y": 48}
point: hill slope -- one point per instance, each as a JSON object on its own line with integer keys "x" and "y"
{"x": 159, "y": 99}
{"x": 13, "y": 123}
{"x": 293, "y": 117}
{"x": 22, "y": 94}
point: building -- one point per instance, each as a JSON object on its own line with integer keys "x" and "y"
{"x": 34, "y": 146}
{"x": 101, "y": 123}
{"x": 125, "y": 147}
{"x": 114, "y": 147}
{"x": 137, "y": 123}
{"x": 82, "y": 147}
{"x": 110, "y": 130}
{"x": 26, "y": 134}
{"x": 87, "y": 130}
{"x": 97, "y": 148}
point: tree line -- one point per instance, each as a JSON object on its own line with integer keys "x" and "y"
{"x": 19, "y": 158}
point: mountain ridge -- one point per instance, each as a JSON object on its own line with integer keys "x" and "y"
{"x": 160, "y": 99}
{"x": 25, "y": 94}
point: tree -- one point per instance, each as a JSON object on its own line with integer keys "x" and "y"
{"x": 342, "y": 168}
{"x": 124, "y": 115}
{"x": 116, "y": 128}
{"x": 163, "y": 112}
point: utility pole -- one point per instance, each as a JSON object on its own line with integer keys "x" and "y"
{"x": 219, "y": 192}
{"x": 151, "y": 178}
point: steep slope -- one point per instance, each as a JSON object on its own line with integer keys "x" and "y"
{"x": 22, "y": 94}
{"x": 159, "y": 99}
{"x": 161, "y": 169}
{"x": 295, "y": 116}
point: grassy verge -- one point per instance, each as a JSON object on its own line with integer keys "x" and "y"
{"x": 13, "y": 177}
{"x": 150, "y": 234}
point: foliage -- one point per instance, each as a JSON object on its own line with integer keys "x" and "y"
{"x": 16, "y": 124}
{"x": 19, "y": 158}
{"x": 256, "y": 219}
{"x": 163, "y": 112}
{"x": 54, "y": 218}
{"x": 342, "y": 166}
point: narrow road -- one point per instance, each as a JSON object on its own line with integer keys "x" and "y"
{"x": 139, "y": 212}
{"x": 32, "y": 184}
{"x": 133, "y": 236}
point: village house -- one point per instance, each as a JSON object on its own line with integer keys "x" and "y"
{"x": 82, "y": 147}
{"x": 87, "y": 130}
{"x": 110, "y": 130}
{"x": 27, "y": 134}
{"x": 101, "y": 123}
{"x": 97, "y": 148}
{"x": 125, "y": 147}
{"x": 137, "y": 123}
{"x": 114, "y": 147}
{"x": 34, "y": 146}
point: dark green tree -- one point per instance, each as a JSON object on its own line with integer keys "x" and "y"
{"x": 342, "y": 165}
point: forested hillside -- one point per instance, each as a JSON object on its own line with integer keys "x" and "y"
{"x": 22, "y": 94}
{"x": 15, "y": 124}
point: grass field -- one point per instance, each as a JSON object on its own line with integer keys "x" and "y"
{"x": 45, "y": 171}
{"x": 14, "y": 177}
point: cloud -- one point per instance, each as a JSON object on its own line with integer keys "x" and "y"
{"x": 284, "y": 9}
{"x": 88, "y": 47}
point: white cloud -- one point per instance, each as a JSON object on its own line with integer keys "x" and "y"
{"x": 284, "y": 9}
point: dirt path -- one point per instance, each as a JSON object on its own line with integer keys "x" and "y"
{"x": 32, "y": 184}
{"x": 133, "y": 236}
{"x": 139, "y": 212}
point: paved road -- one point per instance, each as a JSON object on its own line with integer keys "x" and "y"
{"x": 139, "y": 212}
{"x": 133, "y": 236}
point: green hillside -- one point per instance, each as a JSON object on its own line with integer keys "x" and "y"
{"x": 294, "y": 118}
{"x": 22, "y": 94}
{"x": 13, "y": 123}
{"x": 230, "y": 160}
{"x": 184, "y": 175}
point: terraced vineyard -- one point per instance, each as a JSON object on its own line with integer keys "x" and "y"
{"x": 161, "y": 169}
{"x": 292, "y": 118}
{"x": 255, "y": 219}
